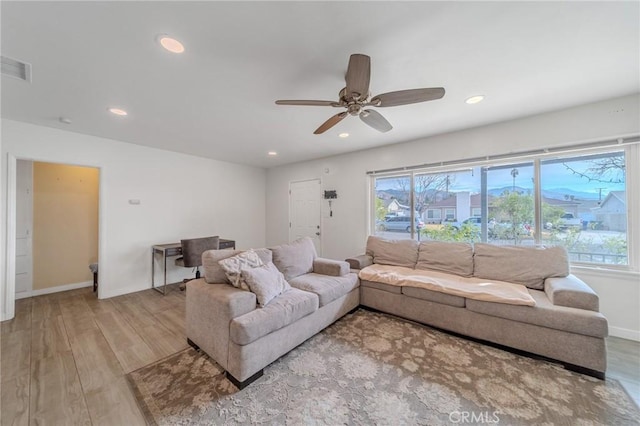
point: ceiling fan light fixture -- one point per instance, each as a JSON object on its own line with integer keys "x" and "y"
{"x": 474, "y": 99}
{"x": 343, "y": 135}
{"x": 170, "y": 44}
{"x": 117, "y": 111}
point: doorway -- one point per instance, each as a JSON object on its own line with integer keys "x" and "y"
{"x": 304, "y": 211}
{"x": 56, "y": 227}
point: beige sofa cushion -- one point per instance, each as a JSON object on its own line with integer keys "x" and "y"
{"x": 295, "y": 258}
{"x": 213, "y": 272}
{"x": 285, "y": 309}
{"x": 393, "y": 252}
{"x": 327, "y": 287}
{"x": 522, "y": 265}
{"x": 453, "y": 258}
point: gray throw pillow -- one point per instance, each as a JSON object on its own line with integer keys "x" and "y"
{"x": 233, "y": 267}
{"x": 266, "y": 282}
{"x": 295, "y": 258}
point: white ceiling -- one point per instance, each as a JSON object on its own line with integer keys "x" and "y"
{"x": 216, "y": 100}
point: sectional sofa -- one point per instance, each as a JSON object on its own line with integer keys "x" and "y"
{"x": 561, "y": 319}
{"x": 523, "y": 298}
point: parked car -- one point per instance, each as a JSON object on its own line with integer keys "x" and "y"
{"x": 567, "y": 220}
{"x": 399, "y": 223}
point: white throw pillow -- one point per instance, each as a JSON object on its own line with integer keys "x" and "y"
{"x": 266, "y": 282}
{"x": 234, "y": 265}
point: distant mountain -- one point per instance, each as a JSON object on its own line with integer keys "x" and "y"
{"x": 554, "y": 193}
{"x": 496, "y": 192}
{"x": 559, "y": 193}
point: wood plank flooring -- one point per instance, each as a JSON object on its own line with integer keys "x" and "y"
{"x": 64, "y": 356}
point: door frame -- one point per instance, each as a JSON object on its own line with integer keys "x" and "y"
{"x": 10, "y": 258}
{"x": 30, "y": 235}
{"x": 319, "y": 213}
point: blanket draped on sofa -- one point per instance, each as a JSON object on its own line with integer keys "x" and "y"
{"x": 469, "y": 287}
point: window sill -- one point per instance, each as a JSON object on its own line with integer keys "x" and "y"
{"x": 604, "y": 271}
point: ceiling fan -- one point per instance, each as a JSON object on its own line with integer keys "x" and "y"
{"x": 355, "y": 97}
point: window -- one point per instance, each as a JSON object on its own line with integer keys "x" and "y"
{"x": 449, "y": 215}
{"x": 434, "y": 214}
{"x": 576, "y": 200}
{"x": 392, "y": 207}
{"x": 584, "y": 206}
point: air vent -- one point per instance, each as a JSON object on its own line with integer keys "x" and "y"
{"x": 16, "y": 69}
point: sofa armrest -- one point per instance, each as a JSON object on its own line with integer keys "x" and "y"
{"x": 360, "y": 262}
{"x": 209, "y": 311}
{"x": 332, "y": 267}
{"x": 572, "y": 292}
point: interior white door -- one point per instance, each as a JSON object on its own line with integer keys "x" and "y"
{"x": 24, "y": 226}
{"x": 304, "y": 211}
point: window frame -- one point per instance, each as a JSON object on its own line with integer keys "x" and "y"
{"x": 632, "y": 189}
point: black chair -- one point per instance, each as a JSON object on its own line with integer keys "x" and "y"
{"x": 192, "y": 250}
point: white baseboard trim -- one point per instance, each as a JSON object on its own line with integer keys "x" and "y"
{"x": 66, "y": 287}
{"x": 624, "y": 333}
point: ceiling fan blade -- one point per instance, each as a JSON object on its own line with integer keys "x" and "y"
{"x": 375, "y": 120}
{"x": 404, "y": 97}
{"x": 308, "y": 103}
{"x": 330, "y": 123}
{"x": 358, "y": 75}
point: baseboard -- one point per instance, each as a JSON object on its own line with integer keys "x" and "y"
{"x": 66, "y": 287}
{"x": 624, "y": 333}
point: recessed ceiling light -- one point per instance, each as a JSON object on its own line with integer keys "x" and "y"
{"x": 475, "y": 99}
{"x": 272, "y": 153}
{"x": 343, "y": 135}
{"x": 171, "y": 44}
{"x": 117, "y": 111}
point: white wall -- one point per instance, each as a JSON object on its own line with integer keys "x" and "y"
{"x": 181, "y": 196}
{"x": 345, "y": 233}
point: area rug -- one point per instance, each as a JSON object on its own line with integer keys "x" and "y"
{"x": 371, "y": 368}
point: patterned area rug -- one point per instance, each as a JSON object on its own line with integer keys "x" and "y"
{"x": 370, "y": 368}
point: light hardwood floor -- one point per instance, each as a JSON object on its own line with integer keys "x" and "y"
{"x": 64, "y": 356}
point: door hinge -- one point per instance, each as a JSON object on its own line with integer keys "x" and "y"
{"x": 289, "y": 224}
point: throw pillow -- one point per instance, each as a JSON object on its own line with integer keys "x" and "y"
{"x": 234, "y": 265}
{"x": 266, "y": 282}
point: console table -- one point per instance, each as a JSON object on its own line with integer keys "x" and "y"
{"x": 170, "y": 250}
